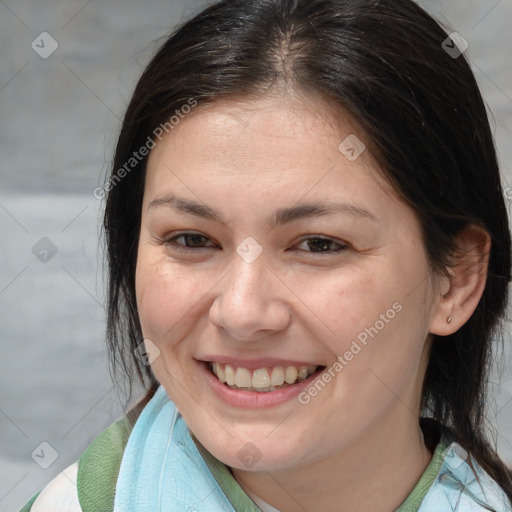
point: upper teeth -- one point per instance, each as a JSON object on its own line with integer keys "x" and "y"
{"x": 262, "y": 378}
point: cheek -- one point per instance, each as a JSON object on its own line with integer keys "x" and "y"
{"x": 348, "y": 303}
{"x": 372, "y": 316}
{"x": 167, "y": 300}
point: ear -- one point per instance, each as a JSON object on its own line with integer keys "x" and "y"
{"x": 460, "y": 293}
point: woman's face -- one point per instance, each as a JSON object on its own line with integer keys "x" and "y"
{"x": 273, "y": 252}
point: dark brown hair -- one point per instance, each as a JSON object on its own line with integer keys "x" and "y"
{"x": 384, "y": 62}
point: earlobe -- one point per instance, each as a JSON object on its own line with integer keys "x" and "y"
{"x": 461, "y": 292}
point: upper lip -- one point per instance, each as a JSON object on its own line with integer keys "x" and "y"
{"x": 254, "y": 364}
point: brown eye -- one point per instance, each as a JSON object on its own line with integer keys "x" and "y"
{"x": 188, "y": 241}
{"x": 323, "y": 245}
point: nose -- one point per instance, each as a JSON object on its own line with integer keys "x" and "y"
{"x": 250, "y": 303}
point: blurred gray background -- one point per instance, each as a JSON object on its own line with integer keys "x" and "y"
{"x": 59, "y": 117}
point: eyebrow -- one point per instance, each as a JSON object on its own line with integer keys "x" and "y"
{"x": 279, "y": 217}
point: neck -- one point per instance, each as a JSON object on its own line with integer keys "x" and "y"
{"x": 374, "y": 474}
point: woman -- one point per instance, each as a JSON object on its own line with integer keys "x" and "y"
{"x": 305, "y": 224}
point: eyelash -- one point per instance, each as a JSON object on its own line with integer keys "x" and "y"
{"x": 171, "y": 242}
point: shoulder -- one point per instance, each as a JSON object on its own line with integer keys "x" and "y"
{"x": 89, "y": 484}
{"x": 60, "y": 494}
{"x": 463, "y": 485}
{"x": 98, "y": 467}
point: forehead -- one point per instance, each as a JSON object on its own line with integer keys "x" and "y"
{"x": 291, "y": 145}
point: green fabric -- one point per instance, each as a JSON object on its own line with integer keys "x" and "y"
{"x": 413, "y": 502}
{"x": 241, "y": 501}
{"x": 227, "y": 482}
{"x": 98, "y": 468}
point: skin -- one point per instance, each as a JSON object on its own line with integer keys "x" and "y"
{"x": 356, "y": 446}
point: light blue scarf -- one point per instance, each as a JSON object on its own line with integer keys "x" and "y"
{"x": 456, "y": 487}
{"x": 162, "y": 471}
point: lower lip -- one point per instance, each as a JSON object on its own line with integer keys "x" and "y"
{"x": 254, "y": 399}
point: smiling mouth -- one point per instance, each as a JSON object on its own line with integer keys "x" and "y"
{"x": 262, "y": 379}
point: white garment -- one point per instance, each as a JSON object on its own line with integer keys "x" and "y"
{"x": 263, "y": 505}
{"x": 61, "y": 494}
